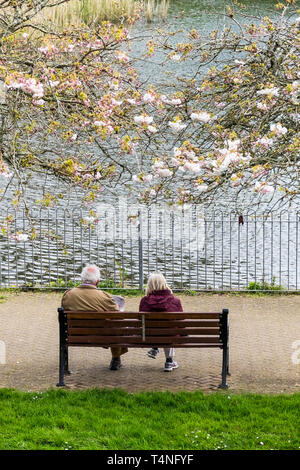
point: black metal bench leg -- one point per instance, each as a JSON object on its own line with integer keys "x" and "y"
{"x": 228, "y": 373}
{"x": 61, "y": 382}
{"x": 224, "y": 368}
{"x": 66, "y": 361}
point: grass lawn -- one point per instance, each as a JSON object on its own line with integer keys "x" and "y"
{"x": 117, "y": 420}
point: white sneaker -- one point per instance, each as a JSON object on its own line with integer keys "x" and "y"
{"x": 169, "y": 366}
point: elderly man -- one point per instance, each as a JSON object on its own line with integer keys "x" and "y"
{"x": 87, "y": 297}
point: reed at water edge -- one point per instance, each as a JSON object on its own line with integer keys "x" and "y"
{"x": 76, "y": 12}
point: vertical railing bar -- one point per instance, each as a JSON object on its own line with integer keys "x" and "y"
{"x": 163, "y": 242}
{"x": 89, "y": 238}
{"x": 73, "y": 244}
{"x": 297, "y": 222}
{"x": 272, "y": 241}
{"x": 24, "y": 248}
{"x": 57, "y": 250}
{"x": 222, "y": 242}
{"x": 181, "y": 247}
{"x": 197, "y": 242}
{"x": 148, "y": 238}
{"x": 205, "y": 249}
{"x": 280, "y": 227}
{"x": 247, "y": 251}
{"x": 173, "y": 249}
{"x": 140, "y": 254}
{"x": 255, "y": 252}
{"x": 122, "y": 242}
{"x": 49, "y": 255}
{"x": 16, "y": 246}
{"x": 32, "y": 262}
{"x": 288, "y": 254}
{"x": 65, "y": 248}
{"x": 189, "y": 250}
{"x": 230, "y": 252}
{"x": 263, "y": 253}
{"x": 214, "y": 250}
{"x": 156, "y": 237}
{"x": 41, "y": 256}
{"x": 115, "y": 218}
{"x": 81, "y": 250}
{"x": 106, "y": 253}
{"x": 239, "y": 254}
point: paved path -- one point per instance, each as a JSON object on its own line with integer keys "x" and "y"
{"x": 263, "y": 330}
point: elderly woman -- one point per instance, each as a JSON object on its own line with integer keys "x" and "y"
{"x": 159, "y": 298}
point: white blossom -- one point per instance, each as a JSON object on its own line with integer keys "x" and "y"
{"x": 203, "y": 116}
{"x": 22, "y": 237}
{"x": 143, "y": 119}
{"x": 274, "y": 91}
{"x": 177, "y": 126}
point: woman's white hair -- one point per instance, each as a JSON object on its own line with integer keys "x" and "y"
{"x": 155, "y": 282}
{"x": 90, "y": 273}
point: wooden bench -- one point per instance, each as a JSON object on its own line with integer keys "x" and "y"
{"x": 143, "y": 330}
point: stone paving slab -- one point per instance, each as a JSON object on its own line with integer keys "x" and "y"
{"x": 262, "y": 333}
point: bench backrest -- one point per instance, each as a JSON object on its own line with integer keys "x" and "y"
{"x": 144, "y": 329}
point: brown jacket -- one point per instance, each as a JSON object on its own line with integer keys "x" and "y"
{"x": 88, "y": 298}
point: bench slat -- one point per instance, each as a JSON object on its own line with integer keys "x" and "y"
{"x": 181, "y": 323}
{"x": 102, "y": 323}
{"x": 98, "y": 323}
{"x": 148, "y": 331}
{"x": 147, "y": 345}
{"x": 106, "y": 331}
{"x": 135, "y": 315}
{"x": 137, "y": 339}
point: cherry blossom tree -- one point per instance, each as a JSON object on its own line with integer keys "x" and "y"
{"x": 233, "y": 124}
{"x": 74, "y": 106}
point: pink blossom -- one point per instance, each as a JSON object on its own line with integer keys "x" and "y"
{"x": 6, "y": 174}
{"x": 149, "y": 97}
{"x": 278, "y": 129}
{"x": 220, "y": 104}
{"x": 38, "y": 102}
{"x": 264, "y": 142}
{"x": 263, "y": 188}
{"x": 147, "y": 178}
{"x": 122, "y": 57}
{"x": 262, "y": 106}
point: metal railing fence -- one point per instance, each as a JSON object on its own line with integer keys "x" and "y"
{"x": 195, "y": 250}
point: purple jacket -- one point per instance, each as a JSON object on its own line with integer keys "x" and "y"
{"x": 160, "y": 301}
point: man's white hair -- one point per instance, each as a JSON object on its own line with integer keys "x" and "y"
{"x": 90, "y": 273}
